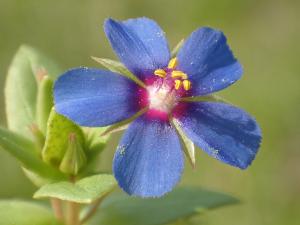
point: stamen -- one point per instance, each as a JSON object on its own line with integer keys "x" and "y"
{"x": 179, "y": 74}
{"x": 173, "y": 63}
{"x": 187, "y": 85}
{"x": 160, "y": 72}
{"x": 177, "y": 84}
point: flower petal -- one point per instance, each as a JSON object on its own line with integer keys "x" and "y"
{"x": 209, "y": 62}
{"x": 225, "y": 132}
{"x": 93, "y": 97}
{"x": 139, "y": 43}
{"x": 149, "y": 160}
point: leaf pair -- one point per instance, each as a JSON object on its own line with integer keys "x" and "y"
{"x": 24, "y": 150}
{"x": 28, "y": 97}
{"x": 27, "y": 68}
{"x": 84, "y": 191}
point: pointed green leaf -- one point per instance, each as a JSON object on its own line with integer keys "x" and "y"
{"x": 180, "y": 203}
{"x": 177, "y": 47}
{"x": 38, "y": 137}
{"x": 9, "y": 140}
{"x": 86, "y": 190}
{"x": 36, "y": 179}
{"x": 123, "y": 125}
{"x": 188, "y": 145}
{"x": 24, "y": 151}
{"x": 118, "y": 67}
{"x": 21, "y": 87}
{"x": 18, "y": 212}
{"x": 44, "y": 102}
{"x": 58, "y": 131}
{"x": 205, "y": 98}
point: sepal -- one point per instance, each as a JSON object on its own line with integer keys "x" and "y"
{"x": 74, "y": 158}
{"x": 177, "y": 48}
{"x": 118, "y": 67}
{"x": 187, "y": 145}
{"x": 205, "y": 98}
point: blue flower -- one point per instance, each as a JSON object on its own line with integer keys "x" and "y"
{"x": 149, "y": 159}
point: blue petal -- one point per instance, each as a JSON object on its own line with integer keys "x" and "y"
{"x": 149, "y": 159}
{"x": 209, "y": 62}
{"x": 93, "y": 97}
{"x": 223, "y": 131}
{"x": 139, "y": 43}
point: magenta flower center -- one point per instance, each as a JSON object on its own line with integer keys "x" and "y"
{"x": 164, "y": 90}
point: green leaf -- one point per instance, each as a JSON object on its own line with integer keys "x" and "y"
{"x": 38, "y": 137}
{"x": 181, "y": 203}
{"x": 11, "y": 142}
{"x": 85, "y": 190}
{"x": 177, "y": 48}
{"x": 36, "y": 179}
{"x": 188, "y": 145}
{"x": 44, "y": 102}
{"x": 205, "y": 98}
{"x": 24, "y": 151}
{"x": 118, "y": 67}
{"x": 21, "y": 87}
{"x": 58, "y": 132}
{"x": 17, "y": 212}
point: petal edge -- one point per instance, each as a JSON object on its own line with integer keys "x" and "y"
{"x": 139, "y": 43}
{"x": 223, "y": 131}
{"x": 209, "y": 62}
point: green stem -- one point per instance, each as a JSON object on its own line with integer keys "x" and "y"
{"x": 93, "y": 208}
{"x": 57, "y": 208}
{"x": 73, "y": 209}
{"x": 72, "y": 217}
{"x": 91, "y": 212}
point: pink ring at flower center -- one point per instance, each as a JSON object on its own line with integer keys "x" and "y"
{"x": 164, "y": 90}
{"x": 161, "y": 98}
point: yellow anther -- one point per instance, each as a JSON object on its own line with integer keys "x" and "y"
{"x": 177, "y": 84}
{"x": 187, "y": 85}
{"x": 173, "y": 63}
{"x": 179, "y": 74}
{"x": 160, "y": 72}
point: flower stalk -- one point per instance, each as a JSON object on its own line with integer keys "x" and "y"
{"x": 93, "y": 209}
{"x": 72, "y": 215}
{"x": 57, "y": 209}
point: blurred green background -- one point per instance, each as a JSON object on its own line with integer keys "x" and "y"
{"x": 264, "y": 36}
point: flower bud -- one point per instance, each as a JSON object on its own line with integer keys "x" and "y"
{"x": 74, "y": 158}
